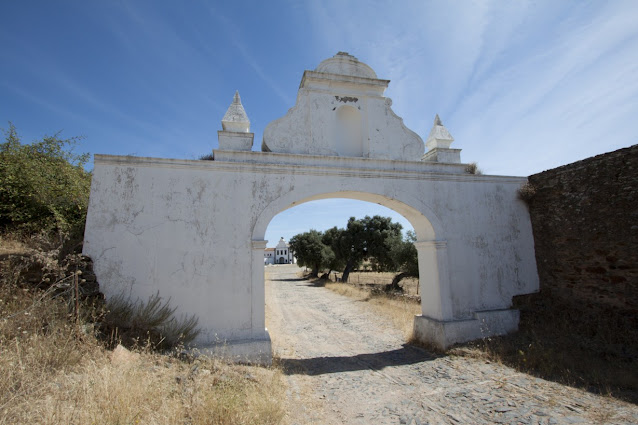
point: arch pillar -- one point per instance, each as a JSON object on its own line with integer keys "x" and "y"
{"x": 259, "y": 347}
{"x": 436, "y": 324}
{"x": 434, "y": 279}
{"x": 258, "y": 301}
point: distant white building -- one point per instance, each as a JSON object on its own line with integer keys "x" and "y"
{"x": 280, "y": 254}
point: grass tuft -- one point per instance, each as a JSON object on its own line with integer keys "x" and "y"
{"x": 527, "y": 192}
{"x": 473, "y": 168}
{"x": 151, "y": 322}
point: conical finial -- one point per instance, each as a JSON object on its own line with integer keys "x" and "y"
{"x": 439, "y": 136}
{"x": 235, "y": 119}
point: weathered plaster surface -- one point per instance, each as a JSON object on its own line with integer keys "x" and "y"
{"x": 186, "y": 229}
{"x": 314, "y": 125}
{"x": 194, "y": 230}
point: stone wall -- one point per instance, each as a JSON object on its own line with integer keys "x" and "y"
{"x": 585, "y": 222}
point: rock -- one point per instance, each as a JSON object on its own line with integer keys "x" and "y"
{"x": 122, "y": 356}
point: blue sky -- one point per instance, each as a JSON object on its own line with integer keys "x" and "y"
{"x": 522, "y": 86}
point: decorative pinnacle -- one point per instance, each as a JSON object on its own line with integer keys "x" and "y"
{"x": 235, "y": 119}
{"x": 439, "y": 136}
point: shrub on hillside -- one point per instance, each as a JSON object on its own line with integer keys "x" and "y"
{"x": 43, "y": 186}
{"x": 42, "y": 282}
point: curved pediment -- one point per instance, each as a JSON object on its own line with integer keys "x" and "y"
{"x": 341, "y": 111}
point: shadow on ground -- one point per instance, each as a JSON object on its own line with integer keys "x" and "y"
{"x": 406, "y": 355}
{"x": 291, "y": 279}
{"x": 592, "y": 346}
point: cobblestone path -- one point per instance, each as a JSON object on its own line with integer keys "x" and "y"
{"x": 345, "y": 365}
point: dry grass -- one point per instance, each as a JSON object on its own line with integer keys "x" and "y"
{"x": 11, "y": 245}
{"x": 54, "y": 370}
{"x": 585, "y": 346}
{"x": 378, "y": 280}
{"x": 154, "y": 389}
{"x": 151, "y": 321}
{"x": 399, "y": 310}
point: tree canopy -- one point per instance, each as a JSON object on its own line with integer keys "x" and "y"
{"x": 376, "y": 240}
{"x": 43, "y": 185}
{"x": 368, "y": 238}
{"x": 404, "y": 258}
{"x": 311, "y": 252}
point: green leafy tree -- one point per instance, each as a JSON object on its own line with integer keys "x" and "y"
{"x": 363, "y": 239}
{"x": 43, "y": 186}
{"x": 380, "y": 232}
{"x": 405, "y": 259}
{"x": 311, "y": 252}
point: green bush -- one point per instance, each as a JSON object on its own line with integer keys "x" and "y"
{"x": 44, "y": 187}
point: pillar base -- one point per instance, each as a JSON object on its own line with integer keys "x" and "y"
{"x": 443, "y": 334}
{"x": 252, "y": 351}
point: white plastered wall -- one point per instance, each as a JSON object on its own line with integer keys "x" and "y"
{"x": 193, "y": 231}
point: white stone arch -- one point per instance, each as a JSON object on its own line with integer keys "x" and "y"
{"x": 426, "y": 223}
{"x": 431, "y": 245}
{"x": 152, "y": 222}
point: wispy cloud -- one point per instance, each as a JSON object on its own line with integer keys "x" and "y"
{"x": 56, "y": 108}
{"x": 522, "y": 86}
{"x": 561, "y": 102}
{"x": 233, "y": 33}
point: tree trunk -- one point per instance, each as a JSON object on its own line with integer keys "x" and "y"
{"x": 346, "y": 271}
{"x": 394, "y": 285}
{"x": 314, "y": 272}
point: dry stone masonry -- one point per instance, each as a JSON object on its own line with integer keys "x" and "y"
{"x": 585, "y": 220}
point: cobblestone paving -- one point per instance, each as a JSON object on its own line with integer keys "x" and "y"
{"x": 347, "y": 365}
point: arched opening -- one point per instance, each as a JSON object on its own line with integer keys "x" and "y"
{"x": 431, "y": 248}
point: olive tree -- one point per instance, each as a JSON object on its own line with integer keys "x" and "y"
{"x": 311, "y": 252}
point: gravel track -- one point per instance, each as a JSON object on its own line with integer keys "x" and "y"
{"x": 346, "y": 365}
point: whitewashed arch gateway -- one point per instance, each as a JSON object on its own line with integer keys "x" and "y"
{"x": 194, "y": 230}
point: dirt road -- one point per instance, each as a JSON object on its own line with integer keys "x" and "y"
{"x": 345, "y": 365}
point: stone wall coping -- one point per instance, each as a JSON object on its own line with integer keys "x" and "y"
{"x": 583, "y": 163}
{"x": 275, "y": 163}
